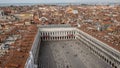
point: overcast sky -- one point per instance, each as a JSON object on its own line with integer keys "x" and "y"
{"x": 57, "y": 1}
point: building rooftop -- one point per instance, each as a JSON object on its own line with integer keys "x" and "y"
{"x": 101, "y": 22}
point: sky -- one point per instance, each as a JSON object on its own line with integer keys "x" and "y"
{"x": 58, "y": 1}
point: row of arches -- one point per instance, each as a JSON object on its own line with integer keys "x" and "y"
{"x": 108, "y": 50}
{"x": 101, "y": 54}
{"x": 58, "y": 38}
{"x": 59, "y": 35}
{"x": 56, "y": 33}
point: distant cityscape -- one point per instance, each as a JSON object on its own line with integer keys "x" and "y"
{"x": 29, "y": 4}
{"x": 60, "y": 35}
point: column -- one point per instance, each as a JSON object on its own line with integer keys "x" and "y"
{"x": 68, "y": 36}
{"x": 52, "y": 35}
{"x": 65, "y": 35}
{"x": 44, "y": 38}
{"x": 50, "y": 38}
{"x": 58, "y": 34}
{"x": 72, "y": 34}
{"x": 56, "y": 37}
{"x": 46, "y": 35}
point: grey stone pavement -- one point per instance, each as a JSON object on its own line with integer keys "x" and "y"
{"x": 68, "y": 54}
